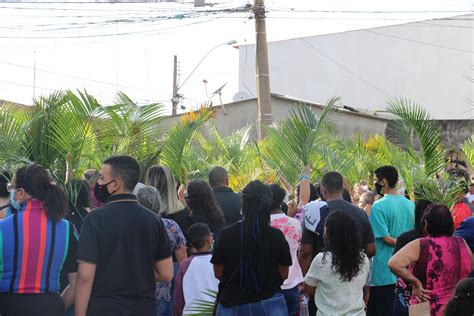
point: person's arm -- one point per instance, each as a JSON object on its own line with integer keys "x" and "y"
{"x": 84, "y": 281}
{"x": 369, "y": 250}
{"x": 164, "y": 270}
{"x": 305, "y": 191}
{"x": 304, "y": 257}
{"x": 180, "y": 253}
{"x": 399, "y": 263}
{"x": 218, "y": 270}
{"x": 178, "y": 296}
{"x": 379, "y": 225}
{"x": 283, "y": 270}
{"x": 390, "y": 240}
{"x": 309, "y": 290}
{"x": 68, "y": 294}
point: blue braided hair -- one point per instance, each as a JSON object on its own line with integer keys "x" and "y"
{"x": 256, "y": 207}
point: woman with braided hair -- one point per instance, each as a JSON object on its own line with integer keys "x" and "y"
{"x": 251, "y": 259}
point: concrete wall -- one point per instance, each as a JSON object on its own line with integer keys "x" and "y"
{"x": 243, "y": 113}
{"x": 426, "y": 62}
{"x": 455, "y": 132}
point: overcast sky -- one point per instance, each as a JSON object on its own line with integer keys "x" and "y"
{"x": 106, "y": 48}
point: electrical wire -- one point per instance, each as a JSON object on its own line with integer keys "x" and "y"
{"x": 346, "y": 69}
{"x": 71, "y": 76}
{"x": 420, "y": 42}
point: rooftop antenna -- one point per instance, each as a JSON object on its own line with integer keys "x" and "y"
{"x": 219, "y": 93}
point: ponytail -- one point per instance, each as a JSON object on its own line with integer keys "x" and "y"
{"x": 55, "y": 203}
{"x": 36, "y": 181}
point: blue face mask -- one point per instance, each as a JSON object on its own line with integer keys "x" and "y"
{"x": 13, "y": 202}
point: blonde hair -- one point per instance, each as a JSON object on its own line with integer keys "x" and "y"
{"x": 161, "y": 178}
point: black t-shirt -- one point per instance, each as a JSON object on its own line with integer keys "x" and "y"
{"x": 230, "y": 203}
{"x": 185, "y": 219}
{"x": 366, "y": 234}
{"x": 227, "y": 251}
{"x": 406, "y": 238}
{"x": 123, "y": 239}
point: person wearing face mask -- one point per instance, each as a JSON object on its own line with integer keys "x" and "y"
{"x": 123, "y": 249}
{"x": 36, "y": 245}
{"x": 390, "y": 216}
{"x": 4, "y": 195}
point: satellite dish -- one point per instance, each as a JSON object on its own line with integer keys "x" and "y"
{"x": 240, "y": 96}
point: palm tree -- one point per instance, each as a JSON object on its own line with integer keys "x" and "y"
{"x": 293, "y": 143}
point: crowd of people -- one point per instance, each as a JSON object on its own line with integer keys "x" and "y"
{"x": 116, "y": 246}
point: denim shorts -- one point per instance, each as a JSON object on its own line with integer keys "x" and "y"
{"x": 274, "y": 306}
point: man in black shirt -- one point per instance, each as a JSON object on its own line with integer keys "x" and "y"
{"x": 123, "y": 248}
{"x": 229, "y": 201}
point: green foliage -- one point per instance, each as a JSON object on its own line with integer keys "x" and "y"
{"x": 468, "y": 150}
{"x": 203, "y": 307}
{"x": 412, "y": 128}
{"x": 293, "y": 143}
{"x": 178, "y": 139}
{"x": 73, "y": 124}
{"x": 446, "y": 190}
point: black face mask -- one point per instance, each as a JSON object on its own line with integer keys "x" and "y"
{"x": 378, "y": 188}
{"x": 101, "y": 192}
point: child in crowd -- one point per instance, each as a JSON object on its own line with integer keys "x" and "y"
{"x": 195, "y": 276}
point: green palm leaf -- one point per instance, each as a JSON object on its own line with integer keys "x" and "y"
{"x": 468, "y": 150}
{"x": 179, "y": 137}
{"x": 445, "y": 190}
{"x": 291, "y": 144}
{"x": 413, "y": 128}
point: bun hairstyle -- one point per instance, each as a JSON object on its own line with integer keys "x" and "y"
{"x": 36, "y": 181}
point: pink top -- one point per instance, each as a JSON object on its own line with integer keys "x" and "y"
{"x": 443, "y": 262}
{"x": 291, "y": 228}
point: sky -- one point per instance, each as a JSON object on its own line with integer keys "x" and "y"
{"x": 129, "y": 47}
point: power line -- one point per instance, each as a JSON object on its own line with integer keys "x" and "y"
{"x": 111, "y": 34}
{"x": 71, "y": 76}
{"x": 346, "y": 69}
{"x": 420, "y": 42}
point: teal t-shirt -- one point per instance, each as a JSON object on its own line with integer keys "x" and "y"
{"x": 390, "y": 216}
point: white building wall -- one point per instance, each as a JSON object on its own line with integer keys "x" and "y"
{"x": 365, "y": 69}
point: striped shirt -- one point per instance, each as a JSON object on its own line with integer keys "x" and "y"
{"x": 34, "y": 250}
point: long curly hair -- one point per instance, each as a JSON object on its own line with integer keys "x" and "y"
{"x": 342, "y": 242}
{"x": 201, "y": 201}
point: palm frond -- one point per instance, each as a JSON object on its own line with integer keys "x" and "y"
{"x": 413, "y": 124}
{"x": 468, "y": 150}
{"x": 445, "y": 190}
{"x": 178, "y": 137}
{"x": 291, "y": 144}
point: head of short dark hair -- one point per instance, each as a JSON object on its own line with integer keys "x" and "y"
{"x": 91, "y": 175}
{"x": 420, "y": 208}
{"x": 198, "y": 234}
{"x": 80, "y": 194}
{"x": 5, "y": 177}
{"x": 218, "y": 177}
{"x": 439, "y": 221}
{"x": 388, "y": 173}
{"x": 278, "y": 196}
{"x": 125, "y": 168}
{"x": 333, "y": 182}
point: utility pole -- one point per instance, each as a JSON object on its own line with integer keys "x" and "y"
{"x": 175, "y": 98}
{"x": 265, "y": 114}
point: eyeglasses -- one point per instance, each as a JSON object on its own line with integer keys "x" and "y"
{"x": 11, "y": 187}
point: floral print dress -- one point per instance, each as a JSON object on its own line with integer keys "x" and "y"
{"x": 443, "y": 262}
